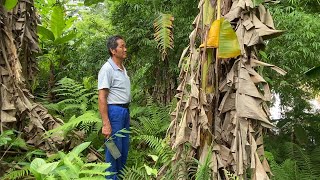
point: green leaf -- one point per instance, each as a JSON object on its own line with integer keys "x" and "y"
{"x": 154, "y": 157}
{"x": 70, "y": 22}
{"x": 19, "y": 142}
{"x": 10, "y": 4}
{"x": 257, "y": 2}
{"x": 47, "y": 168}
{"x": 125, "y": 131}
{"x": 90, "y": 2}
{"x": 150, "y": 171}
{"x": 228, "y": 41}
{"x": 77, "y": 150}
{"x": 263, "y": 55}
{"x": 163, "y": 26}
{"x": 57, "y": 21}
{"x": 66, "y": 38}
{"x": 4, "y": 137}
{"x": 119, "y": 135}
{"x": 45, "y": 33}
{"x": 35, "y": 164}
{"x": 222, "y": 36}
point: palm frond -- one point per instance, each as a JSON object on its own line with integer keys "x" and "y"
{"x": 163, "y": 26}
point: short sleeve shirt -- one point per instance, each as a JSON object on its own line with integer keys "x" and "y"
{"x": 117, "y": 81}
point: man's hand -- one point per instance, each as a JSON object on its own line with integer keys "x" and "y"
{"x": 106, "y": 130}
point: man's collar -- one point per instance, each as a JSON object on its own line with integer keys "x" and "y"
{"x": 113, "y": 64}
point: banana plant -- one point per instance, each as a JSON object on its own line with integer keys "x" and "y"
{"x": 222, "y": 99}
{"x": 54, "y": 34}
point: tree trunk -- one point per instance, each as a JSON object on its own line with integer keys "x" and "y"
{"x": 221, "y": 112}
{"x": 18, "y": 46}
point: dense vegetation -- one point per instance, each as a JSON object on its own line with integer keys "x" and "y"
{"x": 72, "y": 40}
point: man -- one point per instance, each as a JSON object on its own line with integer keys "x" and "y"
{"x": 114, "y": 98}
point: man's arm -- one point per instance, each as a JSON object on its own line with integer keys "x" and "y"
{"x": 103, "y": 108}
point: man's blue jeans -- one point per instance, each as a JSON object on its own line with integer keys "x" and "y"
{"x": 119, "y": 118}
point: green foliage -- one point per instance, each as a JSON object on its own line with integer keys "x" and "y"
{"x": 86, "y": 120}
{"x": 89, "y": 53}
{"x": 10, "y": 140}
{"x": 17, "y": 174}
{"x": 163, "y": 33}
{"x": 151, "y": 119}
{"x": 91, "y": 2}
{"x": 5, "y": 137}
{"x": 313, "y": 72}
{"x": 134, "y": 173}
{"x": 10, "y": 4}
{"x": 204, "y": 170}
{"x": 134, "y": 21}
{"x": 67, "y": 166}
{"x": 296, "y": 52}
{"x": 57, "y": 21}
{"x": 74, "y": 98}
{"x": 290, "y": 161}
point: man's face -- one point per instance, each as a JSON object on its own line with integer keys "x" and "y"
{"x": 121, "y": 51}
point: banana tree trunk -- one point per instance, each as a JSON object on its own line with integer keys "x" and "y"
{"x": 222, "y": 99}
{"x": 18, "y": 46}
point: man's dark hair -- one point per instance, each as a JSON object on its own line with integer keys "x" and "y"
{"x": 112, "y": 43}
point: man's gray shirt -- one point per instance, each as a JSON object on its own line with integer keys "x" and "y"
{"x": 117, "y": 81}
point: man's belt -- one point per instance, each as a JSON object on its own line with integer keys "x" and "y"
{"x": 122, "y": 105}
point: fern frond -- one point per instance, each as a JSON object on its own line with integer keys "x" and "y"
{"x": 315, "y": 159}
{"x": 88, "y": 117}
{"x": 303, "y": 160}
{"x": 160, "y": 146}
{"x": 67, "y": 101}
{"x": 204, "y": 170}
{"x": 152, "y": 141}
{"x": 133, "y": 173}
{"x": 72, "y": 107}
{"x": 163, "y": 26}
{"x": 17, "y": 174}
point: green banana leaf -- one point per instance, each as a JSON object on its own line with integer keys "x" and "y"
{"x": 10, "y": 4}
{"x": 57, "y": 21}
{"x": 45, "y": 33}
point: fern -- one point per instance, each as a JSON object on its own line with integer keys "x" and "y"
{"x": 204, "y": 170}
{"x": 5, "y": 137}
{"x": 133, "y": 173}
{"x": 16, "y": 174}
{"x": 88, "y": 118}
{"x": 73, "y": 97}
{"x": 151, "y": 119}
{"x": 163, "y": 26}
{"x": 301, "y": 165}
{"x": 172, "y": 168}
{"x": 303, "y": 161}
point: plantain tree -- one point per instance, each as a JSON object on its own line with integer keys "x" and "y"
{"x": 18, "y": 47}
{"x": 222, "y": 112}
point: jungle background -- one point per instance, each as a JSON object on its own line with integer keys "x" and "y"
{"x": 72, "y": 48}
